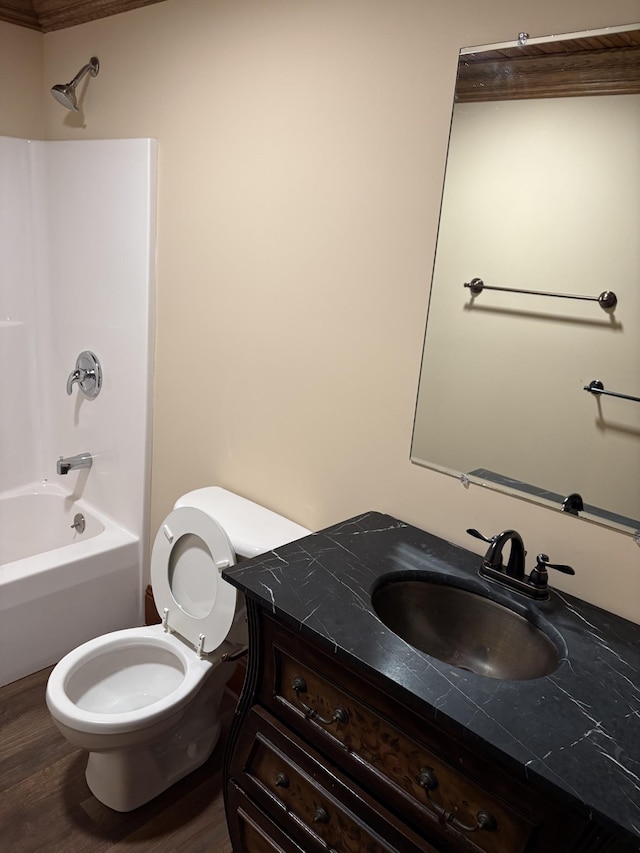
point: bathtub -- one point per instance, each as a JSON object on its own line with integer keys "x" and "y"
{"x": 60, "y": 587}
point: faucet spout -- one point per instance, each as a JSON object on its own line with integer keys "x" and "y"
{"x": 515, "y": 563}
{"x": 493, "y": 557}
{"x": 71, "y": 463}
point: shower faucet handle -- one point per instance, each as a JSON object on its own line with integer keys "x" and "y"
{"x": 87, "y": 374}
{"x": 75, "y": 376}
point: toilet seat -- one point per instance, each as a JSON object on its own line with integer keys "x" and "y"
{"x": 189, "y": 552}
{"x": 98, "y": 660}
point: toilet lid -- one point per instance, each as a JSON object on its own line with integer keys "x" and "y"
{"x": 189, "y": 552}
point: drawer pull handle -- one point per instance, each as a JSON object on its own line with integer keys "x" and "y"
{"x": 282, "y": 780}
{"x": 484, "y": 819}
{"x": 339, "y": 714}
{"x": 321, "y": 815}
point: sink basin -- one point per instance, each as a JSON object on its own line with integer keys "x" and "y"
{"x": 465, "y": 629}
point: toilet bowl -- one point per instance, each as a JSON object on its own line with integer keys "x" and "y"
{"x": 144, "y": 702}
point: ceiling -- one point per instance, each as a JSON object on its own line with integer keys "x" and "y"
{"x": 48, "y": 15}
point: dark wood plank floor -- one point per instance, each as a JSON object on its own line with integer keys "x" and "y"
{"x": 45, "y": 804}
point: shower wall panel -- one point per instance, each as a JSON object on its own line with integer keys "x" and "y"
{"x": 99, "y": 203}
{"x": 77, "y": 240}
{"x": 19, "y": 457}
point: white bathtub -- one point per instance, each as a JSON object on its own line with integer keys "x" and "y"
{"x": 58, "y": 587}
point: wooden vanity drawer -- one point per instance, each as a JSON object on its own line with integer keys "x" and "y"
{"x": 310, "y": 801}
{"x": 415, "y": 780}
{"x": 251, "y": 830}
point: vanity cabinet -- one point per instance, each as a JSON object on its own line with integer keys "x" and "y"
{"x": 323, "y": 757}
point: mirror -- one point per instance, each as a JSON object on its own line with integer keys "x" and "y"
{"x": 536, "y": 284}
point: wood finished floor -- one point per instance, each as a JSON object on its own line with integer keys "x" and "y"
{"x": 46, "y": 806}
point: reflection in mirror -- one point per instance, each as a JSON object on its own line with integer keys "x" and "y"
{"x": 536, "y": 284}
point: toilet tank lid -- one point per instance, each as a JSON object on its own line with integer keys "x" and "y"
{"x": 252, "y": 529}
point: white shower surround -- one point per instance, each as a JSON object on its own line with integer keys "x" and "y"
{"x": 77, "y": 249}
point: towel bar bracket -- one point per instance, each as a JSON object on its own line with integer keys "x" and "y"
{"x": 596, "y": 387}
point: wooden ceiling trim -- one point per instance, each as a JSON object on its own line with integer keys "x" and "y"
{"x": 551, "y": 76}
{"x": 609, "y": 71}
{"x": 19, "y": 12}
{"x": 49, "y": 15}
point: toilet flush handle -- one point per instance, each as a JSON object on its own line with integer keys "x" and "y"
{"x": 227, "y": 657}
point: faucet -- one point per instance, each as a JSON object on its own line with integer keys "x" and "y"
{"x": 70, "y": 463}
{"x": 513, "y": 575}
{"x": 493, "y": 557}
{"x": 573, "y": 504}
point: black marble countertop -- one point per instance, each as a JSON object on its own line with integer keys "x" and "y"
{"x": 576, "y": 730}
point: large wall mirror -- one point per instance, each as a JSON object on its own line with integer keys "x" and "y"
{"x": 536, "y": 284}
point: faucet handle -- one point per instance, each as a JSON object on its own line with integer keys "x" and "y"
{"x": 473, "y": 532}
{"x": 87, "y": 373}
{"x": 543, "y": 563}
{"x": 539, "y": 577}
{"x": 74, "y": 376}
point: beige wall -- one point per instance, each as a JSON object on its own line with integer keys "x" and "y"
{"x": 21, "y": 73}
{"x": 301, "y": 156}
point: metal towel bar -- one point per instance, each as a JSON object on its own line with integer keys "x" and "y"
{"x": 607, "y": 299}
{"x": 596, "y": 387}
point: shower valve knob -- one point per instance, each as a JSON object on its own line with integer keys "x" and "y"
{"x": 87, "y": 374}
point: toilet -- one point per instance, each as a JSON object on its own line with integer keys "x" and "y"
{"x": 144, "y": 702}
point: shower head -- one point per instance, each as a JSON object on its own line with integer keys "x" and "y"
{"x": 65, "y": 93}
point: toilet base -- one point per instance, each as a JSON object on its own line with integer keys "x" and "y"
{"x": 126, "y": 779}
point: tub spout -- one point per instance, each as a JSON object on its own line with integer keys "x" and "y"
{"x": 70, "y": 463}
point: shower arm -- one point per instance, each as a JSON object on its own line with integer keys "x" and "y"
{"x": 92, "y": 67}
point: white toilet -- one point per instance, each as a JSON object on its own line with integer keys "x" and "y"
{"x": 145, "y": 701}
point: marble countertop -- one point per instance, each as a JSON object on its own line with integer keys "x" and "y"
{"x": 577, "y": 729}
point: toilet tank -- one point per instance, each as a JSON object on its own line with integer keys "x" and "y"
{"x": 251, "y": 529}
